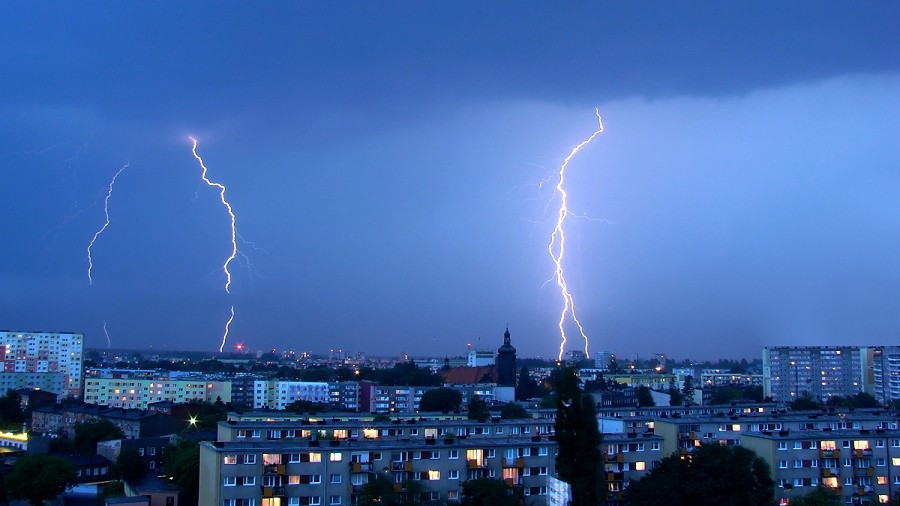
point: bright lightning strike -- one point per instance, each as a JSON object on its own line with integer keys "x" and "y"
{"x": 234, "y": 236}
{"x": 227, "y": 329}
{"x": 221, "y": 187}
{"x": 557, "y": 246}
{"x": 106, "y": 333}
{"x": 90, "y": 247}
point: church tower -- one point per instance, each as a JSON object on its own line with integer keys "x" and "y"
{"x": 506, "y": 362}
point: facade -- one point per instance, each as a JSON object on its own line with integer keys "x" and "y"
{"x": 628, "y": 456}
{"x": 479, "y": 358}
{"x": 277, "y": 394}
{"x": 134, "y": 423}
{"x": 327, "y": 462}
{"x": 822, "y": 372}
{"x": 150, "y": 449}
{"x": 886, "y": 373}
{"x": 50, "y": 361}
{"x": 864, "y": 465}
{"x": 134, "y": 391}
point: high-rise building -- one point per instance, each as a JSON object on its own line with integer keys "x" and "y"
{"x": 821, "y": 372}
{"x": 506, "y": 362}
{"x": 886, "y": 373}
{"x": 48, "y": 360}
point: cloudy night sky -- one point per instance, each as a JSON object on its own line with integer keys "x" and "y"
{"x": 391, "y": 166}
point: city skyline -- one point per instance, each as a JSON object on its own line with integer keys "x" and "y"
{"x": 385, "y": 168}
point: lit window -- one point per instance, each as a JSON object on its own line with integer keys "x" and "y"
{"x": 640, "y": 466}
{"x": 335, "y": 457}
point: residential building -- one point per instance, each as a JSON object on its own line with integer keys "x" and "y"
{"x": 821, "y": 372}
{"x": 864, "y": 465}
{"x": 50, "y": 361}
{"x": 327, "y": 460}
{"x": 133, "y": 422}
{"x": 137, "y": 389}
{"x": 886, "y": 373}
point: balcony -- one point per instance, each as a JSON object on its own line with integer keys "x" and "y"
{"x": 829, "y": 454}
{"x": 476, "y": 463}
{"x": 273, "y": 491}
{"x": 405, "y": 465}
{"x": 360, "y": 467}
{"x": 279, "y": 469}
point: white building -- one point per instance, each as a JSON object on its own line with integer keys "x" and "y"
{"x": 276, "y": 394}
{"x": 478, "y": 358}
{"x": 45, "y": 357}
{"x": 822, "y": 372}
{"x": 886, "y": 373}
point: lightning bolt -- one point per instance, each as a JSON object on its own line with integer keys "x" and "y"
{"x": 234, "y": 236}
{"x": 106, "y": 333}
{"x": 90, "y": 247}
{"x": 557, "y": 246}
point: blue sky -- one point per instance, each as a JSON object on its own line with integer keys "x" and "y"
{"x": 384, "y": 162}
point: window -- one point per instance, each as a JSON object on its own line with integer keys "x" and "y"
{"x": 542, "y": 451}
{"x": 293, "y": 480}
{"x": 227, "y": 459}
{"x": 879, "y": 462}
{"x": 453, "y": 495}
{"x": 434, "y": 475}
{"x": 782, "y": 445}
{"x": 315, "y": 479}
{"x": 640, "y": 448}
{"x": 879, "y": 443}
{"x": 315, "y": 500}
{"x": 250, "y": 458}
{"x": 655, "y": 446}
{"x": 335, "y": 478}
{"x": 229, "y": 502}
{"x": 152, "y": 450}
{"x": 453, "y": 454}
{"x": 334, "y": 500}
{"x": 782, "y": 464}
{"x": 229, "y": 481}
{"x": 640, "y": 466}
{"x": 335, "y": 456}
{"x": 454, "y": 475}
{"x": 491, "y": 453}
{"x": 249, "y": 481}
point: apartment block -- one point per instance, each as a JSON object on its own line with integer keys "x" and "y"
{"x": 48, "y": 360}
{"x": 628, "y": 456}
{"x": 864, "y": 465}
{"x": 278, "y": 394}
{"x": 132, "y": 391}
{"x": 822, "y": 372}
{"x": 328, "y": 460}
{"x": 886, "y": 373}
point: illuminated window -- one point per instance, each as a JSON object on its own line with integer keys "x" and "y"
{"x": 434, "y": 475}
{"x": 335, "y": 456}
{"x": 475, "y": 454}
{"x": 640, "y": 466}
{"x": 827, "y": 445}
{"x": 293, "y": 480}
{"x": 370, "y": 433}
{"x": 315, "y": 457}
{"x": 271, "y": 459}
{"x": 861, "y": 445}
{"x": 229, "y": 459}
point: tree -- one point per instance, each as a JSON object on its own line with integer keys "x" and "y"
{"x": 821, "y": 496}
{"x": 526, "y": 387}
{"x": 675, "y": 397}
{"x": 806, "y": 403}
{"x": 88, "y": 434}
{"x": 37, "y": 478}
{"x": 130, "y": 466}
{"x": 578, "y": 458}
{"x": 378, "y": 491}
{"x": 687, "y": 391}
{"x": 478, "y": 409}
{"x": 644, "y": 397}
{"x": 440, "y": 399}
{"x": 301, "y": 406}
{"x": 181, "y": 462}
{"x": 712, "y": 475}
{"x": 489, "y": 491}
{"x": 11, "y": 414}
{"x": 512, "y": 411}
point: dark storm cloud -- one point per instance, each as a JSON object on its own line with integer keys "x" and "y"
{"x": 385, "y": 157}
